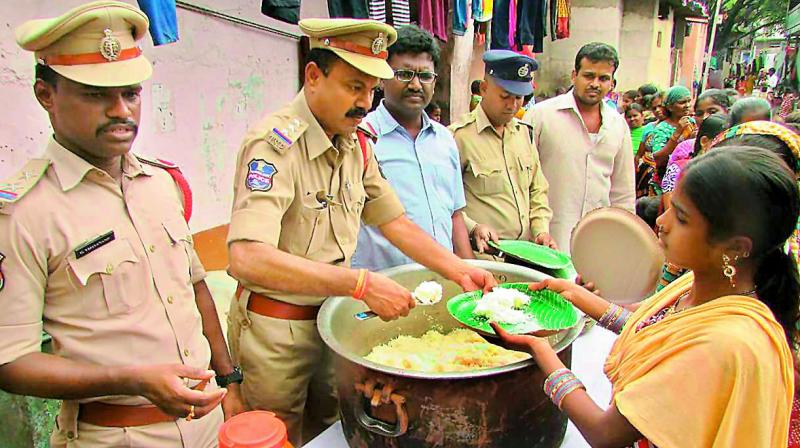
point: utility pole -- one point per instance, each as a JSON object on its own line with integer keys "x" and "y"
{"x": 714, "y": 21}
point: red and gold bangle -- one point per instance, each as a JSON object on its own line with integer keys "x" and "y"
{"x": 358, "y": 293}
{"x": 364, "y": 288}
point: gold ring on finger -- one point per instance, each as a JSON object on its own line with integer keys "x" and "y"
{"x": 191, "y": 414}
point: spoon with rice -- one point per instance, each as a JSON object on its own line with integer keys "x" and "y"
{"x": 426, "y": 293}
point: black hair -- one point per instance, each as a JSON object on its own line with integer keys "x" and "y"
{"x": 647, "y": 89}
{"x": 414, "y": 40}
{"x": 749, "y": 191}
{"x": 764, "y": 141}
{"x": 648, "y": 99}
{"x": 432, "y": 106}
{"x": 710, "y": 128}
{"x": 636, "y": 107}
{"x": 324, "y": 59}
{"x": 631, "y": 94}
{"x": 750, "y": 104}
{"x": 475, "y": 87}
{"x": 597, "y": 52}
{"x": 46, "y": 74}
{"x": 718, "y": 96}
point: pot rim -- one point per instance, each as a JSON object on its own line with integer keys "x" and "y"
{"x": 328, "y": 307}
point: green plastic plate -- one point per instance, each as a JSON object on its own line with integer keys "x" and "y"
{"x": 533, "y": 253}
{"x": 548, "y": 311}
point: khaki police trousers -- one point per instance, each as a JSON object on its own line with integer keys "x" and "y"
{"x": 287, "y": 369}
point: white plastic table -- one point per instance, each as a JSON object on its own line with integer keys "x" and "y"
{"x": 589, "y": 353}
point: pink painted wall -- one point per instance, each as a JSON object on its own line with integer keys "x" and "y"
{"x": 206, "y": 90}
{"x": 694, "y": 48}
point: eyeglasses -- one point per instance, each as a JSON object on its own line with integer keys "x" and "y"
{"x": 408, "y": 76}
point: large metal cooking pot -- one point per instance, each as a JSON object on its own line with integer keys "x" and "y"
{"x": 502, "y": 407}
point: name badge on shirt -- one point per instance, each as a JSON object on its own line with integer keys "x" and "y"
{"x": 90, "y": 246}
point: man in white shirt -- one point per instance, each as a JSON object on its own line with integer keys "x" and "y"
{"x": 584, "y": 144}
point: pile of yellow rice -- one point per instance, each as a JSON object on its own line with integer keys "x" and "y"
{"x": 458, "y": 351}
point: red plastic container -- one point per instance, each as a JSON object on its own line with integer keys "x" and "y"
{"x": 254, "y": 429}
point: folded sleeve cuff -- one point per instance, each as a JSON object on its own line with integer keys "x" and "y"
{"x": 254, "y": 225}
{"x": 382, "y": 209}
{"x": 20, "y": 340}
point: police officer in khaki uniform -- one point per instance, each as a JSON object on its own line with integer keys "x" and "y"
{"x": 96, "y": 251}
{"x": 505, "y": 190}
{"x": 302, "y": 187}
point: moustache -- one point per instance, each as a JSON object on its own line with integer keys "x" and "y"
{"x": 356, "y": 112}
{"x": 418, "y": 93}
{"x": 129, "y": 123}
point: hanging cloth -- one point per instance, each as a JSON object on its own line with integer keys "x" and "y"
{"x": 563, "y": 9}
{"x": 460, "y": 16}
{"x": 163, "y": 20}
{"x": 433, "y": 17}
{"x": 398, "y": 13}
{"x": 355, "y": 9}
{"x": 284, "y": 10}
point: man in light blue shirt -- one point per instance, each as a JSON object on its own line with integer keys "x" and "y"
{"x": 417, "y": 155}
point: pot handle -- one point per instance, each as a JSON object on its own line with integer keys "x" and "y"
{"x": 374, "y": 425}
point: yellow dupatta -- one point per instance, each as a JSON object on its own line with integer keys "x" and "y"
{"x": 716, "y": 375}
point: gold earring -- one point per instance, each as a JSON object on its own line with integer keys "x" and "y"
{"x": 728, "y": 270}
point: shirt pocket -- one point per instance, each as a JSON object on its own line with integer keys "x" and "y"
{"x": 526, "y": 172}
{"x": 312, "y": 225}
{"x": 355, "y": 196}
{"x": 113, "y": 265}
{"x": 488, "y": 178}
{"x": 178, "y": 250}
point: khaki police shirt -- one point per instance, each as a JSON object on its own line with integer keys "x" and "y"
{"x": 111, "y": 301}
{"x": 298, "y": 191}
{"x": 503, "y": 183}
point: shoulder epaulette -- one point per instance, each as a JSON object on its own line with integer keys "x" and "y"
{"x": 161, "y": 163}
{"x": 463, "y": 121}
{"x": 16, "y": 186}
{"x": 282, "y": 131}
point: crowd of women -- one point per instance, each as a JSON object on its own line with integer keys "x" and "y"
{"x": 709, "y": 360}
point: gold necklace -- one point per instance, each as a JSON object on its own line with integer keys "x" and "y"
{"x": 673, "y": 309}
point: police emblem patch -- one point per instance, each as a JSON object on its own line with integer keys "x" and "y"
{"x": 259, "y": 175}
{"x": 523, "y": 71}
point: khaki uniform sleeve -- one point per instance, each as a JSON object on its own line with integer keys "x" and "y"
{"x": 198, "y": 271}
{"x": 540, "y": 213}
{"x": 261, "y": 200}
{"x": 468, "y": 221}
{"x": 23, "y": 277}
{"x": 382, "y": 204}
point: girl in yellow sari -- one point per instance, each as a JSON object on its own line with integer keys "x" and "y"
{"x": 706, "y": 361}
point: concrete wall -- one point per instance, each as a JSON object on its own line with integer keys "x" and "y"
{"x": 592, "y": 20}
{"x": 636, "y": 42}
{"x": 659, "y": 68}
{"x": 206, "y": 90}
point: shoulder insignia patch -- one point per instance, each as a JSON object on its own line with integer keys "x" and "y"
{"x": 259, "y": 175}
{"x": 463, "y": 122}
{"x": 161, "y": 163}
{"x": 282, "y": 137}
{"x": 15, "y": 187}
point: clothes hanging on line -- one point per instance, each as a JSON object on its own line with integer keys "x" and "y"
{"x": 393, "y": 12}
{"x": 460, "y": 16}
{"x": 163, "y": 20}
{"x": 356, "y": 9}
{"x": 433, "y": 17}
